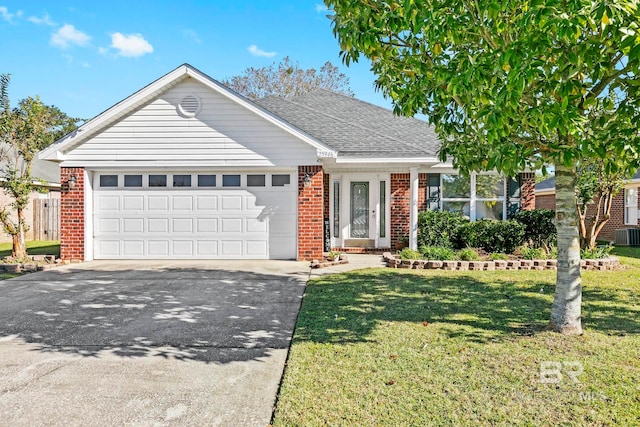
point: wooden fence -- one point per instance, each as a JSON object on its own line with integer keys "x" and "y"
{"x": 46, "y": 219}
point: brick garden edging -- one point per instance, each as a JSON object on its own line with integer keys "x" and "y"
{"x": 392, "y": 261}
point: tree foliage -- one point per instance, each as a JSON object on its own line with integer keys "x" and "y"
{"x": 509, "y": 85}
{"x": 287, "y": 79}
{"x": 24, "y": 130}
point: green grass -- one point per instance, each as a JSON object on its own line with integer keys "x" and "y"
{"x": 399, "y": 347}
{"x": 34, "y": 247}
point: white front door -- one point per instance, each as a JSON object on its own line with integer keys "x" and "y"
{"x": 362, "y": 211}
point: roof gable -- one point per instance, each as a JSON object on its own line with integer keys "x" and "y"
{"x": 58, "y": 150}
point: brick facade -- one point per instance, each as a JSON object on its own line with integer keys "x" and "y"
{"x": 616, "y": 222}
{"x": 310, "y": 213}
{"x": 528, "y": 191}
{"x": 72, "y": 215}
{"x": 400, "y": 206}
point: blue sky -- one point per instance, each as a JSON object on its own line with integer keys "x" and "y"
{"x": 84, "y": 56}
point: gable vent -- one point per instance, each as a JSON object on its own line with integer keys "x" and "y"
{"x": 189, "y": 106}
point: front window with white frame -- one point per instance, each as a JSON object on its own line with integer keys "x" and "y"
{"x": 476, "y": 197}
{"x": 631, "y": 206}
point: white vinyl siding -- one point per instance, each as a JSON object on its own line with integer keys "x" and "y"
{"x": 223, "y": 133}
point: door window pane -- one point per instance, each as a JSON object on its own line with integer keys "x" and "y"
{"x": 231, "y": 180}
{"x": 383, "y": 209}
{"x": 133, "y": 180}
{"x": 182, "y": 180}
{"x": 360, "y": 210}
{"x": 255, "y": 181}
{"x": 206, "y": 180}
{"x": 280, "y": 180}
{"x": 157, "y": 180}
{"x": 108, "y": 180}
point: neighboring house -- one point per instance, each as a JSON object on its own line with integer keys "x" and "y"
{"x": 187, "y": 168}
{"x": 47, "y": 175}
{"x": 625, "y": 207}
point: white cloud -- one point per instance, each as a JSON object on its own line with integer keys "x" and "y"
{"x": 131, "y": 45}
{"x": 67, "y": 36}
{"x": 256, "y": 51}
{"x": 4, "y": 13}
{"x": 45, "y": 20}
{"x": 320, "y": 8}
{"x": 191, "y": 35}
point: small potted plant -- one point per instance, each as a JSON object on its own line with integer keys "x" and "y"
{"x": 333, "y": 256}
{"x": 402, "y": 242}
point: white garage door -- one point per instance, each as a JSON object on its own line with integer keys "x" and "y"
{"x": 195, "y": 215}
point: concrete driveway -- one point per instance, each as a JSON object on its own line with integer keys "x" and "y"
{"x": 147, "y": 343}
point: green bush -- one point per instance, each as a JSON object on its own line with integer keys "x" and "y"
{"x": 533, "y": 253}
{"x": 492, "y": 235}
{"x": 596, "y": 253}
{"x": 498, "y": 256}
{"x": 439, "y": 228}
{"x": 468, "y": 254}
{"x": 437, "y": 253}
{"x": 540, "y": 228}
{"x": 407, "y": 253}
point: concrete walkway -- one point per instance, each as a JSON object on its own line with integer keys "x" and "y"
{"x": 149, "y": 342}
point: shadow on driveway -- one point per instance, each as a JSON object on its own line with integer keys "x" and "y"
{"x": 192, "y": 313}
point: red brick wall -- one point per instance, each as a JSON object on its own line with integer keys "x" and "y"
{"x": 326, "y": 196}
{"x": 527, "y": 191}
{"x": 616, "y": 221}
{"x": 422, "y": 192}
{"x": 72, "y": 215}
{"x": 546, "y": 201}
{"x": 310, "y": 213}
{"x": 400, "y": 206}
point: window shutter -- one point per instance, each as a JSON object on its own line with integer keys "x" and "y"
{"x": 433, "y": 191}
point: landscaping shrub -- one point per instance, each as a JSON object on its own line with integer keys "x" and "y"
{"x": 468, "y": 254}
{"x": 492, "y": 235}
{"x": 596, "y": 253}
{"x": 532, "y": 253}
{"x": 498, "y": 256}
{"x": 540, "y": 228}
{"x": 439, "y": 228}
{"x": 437, "y": 253}
{"x": 407, "y": 253}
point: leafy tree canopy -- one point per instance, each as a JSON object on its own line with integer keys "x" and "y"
{"x": 508, "y": 84}
{"x": 287, "y": 79}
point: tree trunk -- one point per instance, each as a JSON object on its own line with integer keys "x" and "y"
{"x": 567, "y": 300}
{"x": 19, "y": 245}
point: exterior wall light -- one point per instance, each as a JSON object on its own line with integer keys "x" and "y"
{"x": 73, "y": 180}
{"x": 307, "y": 180}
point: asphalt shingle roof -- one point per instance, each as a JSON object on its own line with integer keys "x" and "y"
{"x": 355, "y": 128}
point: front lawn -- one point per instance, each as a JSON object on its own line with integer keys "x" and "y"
{"x": 424, "y": 347}
{"x": 34, "y": 247}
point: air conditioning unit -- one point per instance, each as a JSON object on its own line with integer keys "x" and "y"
{"x": 628, "y": 237}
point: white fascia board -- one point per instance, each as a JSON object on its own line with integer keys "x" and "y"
{"x": 56, "y": 150}
{"x": 395, "y": 160}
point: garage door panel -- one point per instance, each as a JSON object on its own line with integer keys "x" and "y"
{"x": 107, "y": 225}
{"x": 132, "y": 203}
{"x": 133, "y": 248}
{"x": 182, "y": 225}
{"x": 158, "y": 225}
{"x": 182, "y": 247}
{"x": 158, "y": 203}
{"x": 207, "y": 225}
{"x": 195, "y": 222}
{"x": 207, "y": 203}
{"x": 133, "y": 225}
{"x": 182, "y": 203}
{"x": 158, "y": 248}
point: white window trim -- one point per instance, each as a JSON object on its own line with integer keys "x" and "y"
{"x": 630, "y": 207}
{"x": 473, "y": 200}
